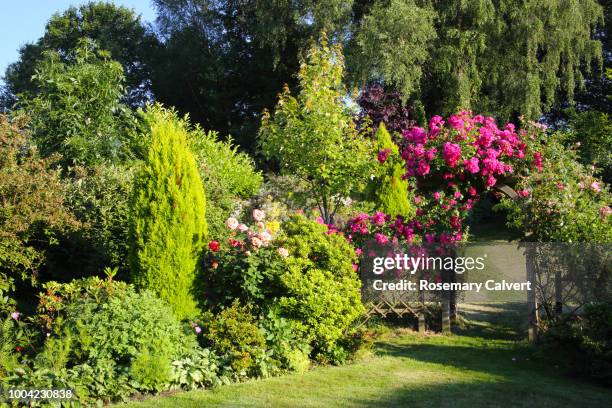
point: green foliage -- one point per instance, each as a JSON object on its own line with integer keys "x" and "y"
{"x": 314, "y": 137}
{"x": 151, "y": 371}
{"x": 233, "y": 332}
{"x": 202, "y": 368}
{"x": 388, "y": 190}
{"x": 566, "y": 203}
{"x": 585, "y": 342}
{"x": 106, "y": 330}
{"x": 98, "y": 197}
{"x": 593, "y": 130}
{"x": 8, "y": 342}
{"x": 392, "y": 43}
{"x": 167, "y": 216}
{"x": 115, "y": 28}
{"x": 291, "y": 351}
{"x": 77, "y": 109}
{"x": 254, "y": 279}
{"x": 228, "y": 175}
{"x": 32, "y": 209}
{"x": 321, "y": 289}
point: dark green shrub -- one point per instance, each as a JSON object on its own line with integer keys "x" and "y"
{"x": 167, "y": 215}
{"x": 98, "y": 197}
{"x": 584, "y": 343}
{"x": 254, "y": 279}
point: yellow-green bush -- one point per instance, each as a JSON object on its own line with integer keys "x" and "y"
{"x": 167, "y": 215}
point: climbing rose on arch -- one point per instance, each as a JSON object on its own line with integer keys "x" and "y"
{"x": 450, "y": 165}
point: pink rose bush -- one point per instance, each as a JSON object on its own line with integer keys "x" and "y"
{"x": 450, "y": 166}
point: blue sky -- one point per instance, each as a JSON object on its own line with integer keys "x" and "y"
{"x": 23, "y": 21}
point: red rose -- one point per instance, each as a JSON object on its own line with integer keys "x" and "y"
{"x": 18, "y": 348}
{"x": 214, "y": 246}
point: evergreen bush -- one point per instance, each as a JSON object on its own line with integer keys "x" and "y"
{"x": 167, "y": 221}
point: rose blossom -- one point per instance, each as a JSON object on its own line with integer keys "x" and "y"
{"x": 596, "y": 187}
{"x": 214, "y": 246}
{"x": 15, "y": 315}
{"x": 283, "y": 252}
{"x": 471, "y": 165}
{"x": 258, "y": 215}
{"x": 242, "y": 228}
{"x": 231, "y": 223}
{"x": 256, "y": 242}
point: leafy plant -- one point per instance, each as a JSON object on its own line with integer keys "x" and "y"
{"x": 8, "y": 341}
{"x": 313, "y": 135}
{"x": 321, "y": 290}
{"x": 233, "y": 332}
{"x": 167, "y": 215}
{"x": 201, "y": 368}
{"x": 76, "y": 110}
{"x": 32, "y": 210}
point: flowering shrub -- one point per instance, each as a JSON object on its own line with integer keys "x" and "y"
{"x": 450, "y": 166}
{"x": 304, "y": 274}
{"x": 564, "y": 202}
{"x": 246, "y": 266}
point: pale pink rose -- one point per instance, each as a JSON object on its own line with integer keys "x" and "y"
{"x": 596, "y": 187}
{"x": 242, "y": 228}
{"x": 231, "y": 223}
{"x": 283, "y": 252}
{"x": 15, "y": 315}
{"x": 265, "y": 237}
{"x": 256, "y": 242}
{"x": 258, "y": 215}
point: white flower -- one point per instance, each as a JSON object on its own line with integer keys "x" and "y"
{"x": 231, "y": 223}
{"x": 283, "y": 252}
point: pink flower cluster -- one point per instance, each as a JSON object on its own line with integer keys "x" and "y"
{"x": 451, "y": 164}
{"x": 257, "y": 236}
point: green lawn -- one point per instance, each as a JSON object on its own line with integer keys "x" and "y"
{"x": 482, "y": 366}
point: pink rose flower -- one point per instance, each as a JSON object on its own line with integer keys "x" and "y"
{"x": 283, "y": 252}
{"x": 471, "y": 165}
{"x": 595, "y": 187}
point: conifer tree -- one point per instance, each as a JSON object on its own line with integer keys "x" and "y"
{"x": 389, "y": 191}
{"x": 167, "y": 226}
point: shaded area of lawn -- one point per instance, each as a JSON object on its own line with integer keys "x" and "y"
{"x": 483, "y": 365}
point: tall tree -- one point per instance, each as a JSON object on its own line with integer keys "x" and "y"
{"x": 223, "y": 60}
{"x": 76, "y": 106}
{"x": 115, "y": 28}
{"x": 313, "y": 135}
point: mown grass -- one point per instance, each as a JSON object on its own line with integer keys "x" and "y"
{"x": 485, "y": 365}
